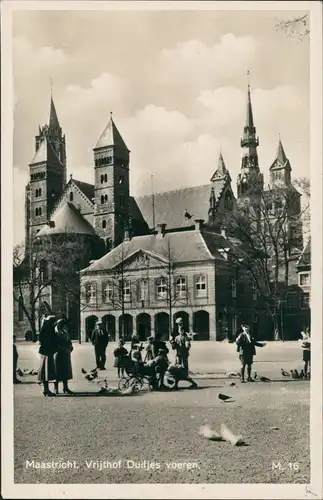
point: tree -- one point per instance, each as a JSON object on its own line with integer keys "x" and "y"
{"x": 51, "y": 264}
{"x": 266, "y": 237}
{"x": 297, "y": 28}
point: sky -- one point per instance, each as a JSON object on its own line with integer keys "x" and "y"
{"x": 176, "y": 82}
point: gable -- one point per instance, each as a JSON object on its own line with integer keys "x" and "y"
{"x": 80, "y": 201}
{"x": 143, "y": 260}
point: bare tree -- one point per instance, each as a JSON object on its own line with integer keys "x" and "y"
{"x": 267, "y": 235}
{"x": 52, "y": 263}
{"x": 297, "y": 28}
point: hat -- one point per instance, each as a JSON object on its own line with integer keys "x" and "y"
{"x": 161, "y": 351}
{"x": 151, "y": 339}
{"x": 179, "y": 321}
{"x": 60, "y": 321}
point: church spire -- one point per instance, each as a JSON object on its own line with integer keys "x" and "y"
{"x": 53, "y": 120}
{"x": 221, "y": 171}
{"x": 280, "y": 170}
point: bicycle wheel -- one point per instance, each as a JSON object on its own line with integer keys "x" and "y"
{"x": 136, "y": 383}
{"x": 123, "y": 383}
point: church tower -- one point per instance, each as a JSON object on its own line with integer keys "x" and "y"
{"x": 221, "y": 197}
{"x": 280, "y": 170}
{"x": 111, "y": 186}
{"x": 250, "y": 180}
{"x": 47, "y": 175}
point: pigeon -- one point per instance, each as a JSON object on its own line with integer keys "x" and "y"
{"x": 265, "y": 379}
{"x": 284, "y": 373}
{"x": 232, "y": 384}
{"x": 20, "y": 372}
{"x": 224, "y": 397}
{"x": 229, "y": 436}
{"x": 83, "y": 371}
{"x": 208, "y": 433}
{"x": 255, "y": 376}
{"x": 232, "y": 375}
{"x": 129, "y": 390}
{"x": 89, "y": 376}
{"x": 294, "y": 373}
{"x": 274, "y": 428}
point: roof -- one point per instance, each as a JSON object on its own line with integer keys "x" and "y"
{"x": 87, "y": 189}
{"x": 281, "y": 157}
{"x": 221, "y": 170}
{"x": 111, "y": 137}
{"x": 305, "y": 258}
{"x": 45, "y": 153}
{"x": 67, "y": 220}
{"x": 53, "y": 120}
{"x": 182, "y": 246}
{"x": 249, "y": 114}
{"x": 170, "y": 207}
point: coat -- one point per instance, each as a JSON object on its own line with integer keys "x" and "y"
{"x": 159, "y": 344}
{"x": 182, "y": 344}
{"x": 62, "y": 358}
{"x": 119, "y": 354}
{"x": 246, "y": 348}
{"x": 100, "y": 337}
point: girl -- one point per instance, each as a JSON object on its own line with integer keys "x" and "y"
{"x": 62, "y": 358}
{"x": 120, "y": 353}
{"x": 306, "y": 345}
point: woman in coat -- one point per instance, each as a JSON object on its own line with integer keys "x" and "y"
{"x": 47, "y": 349}
{"x": 62, "y": 358}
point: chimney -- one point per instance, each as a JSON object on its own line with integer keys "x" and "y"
{"x": 161, "y": 229}
{"x": 199, "y": 224}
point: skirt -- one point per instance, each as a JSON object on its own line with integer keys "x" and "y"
{"x": 46, "y": 372}
{"x": 119, "y": 362}
{"x": 63, "y": 365}
{"x": 306, "y": 356}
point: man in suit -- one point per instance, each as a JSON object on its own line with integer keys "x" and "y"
{"x": 100, "y": 340}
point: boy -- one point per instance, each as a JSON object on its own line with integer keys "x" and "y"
{"x": 246, "y": 348}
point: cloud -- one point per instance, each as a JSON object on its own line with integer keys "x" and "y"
{"x": 193, "y": 62}
{"x": 36, "y": 59}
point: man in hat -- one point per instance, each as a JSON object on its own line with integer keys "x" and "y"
{"x": 100, "y": 340}
{"x": 182, "y": 344}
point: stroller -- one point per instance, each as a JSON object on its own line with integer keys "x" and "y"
{"x": 139, "y": 378}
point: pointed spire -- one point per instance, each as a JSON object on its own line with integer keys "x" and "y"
{"x": 53, "y": 120}
{"x": 249, "y": 114}
{"x": 221, "y": 171}
{"x": 111, "y": 136}
{"x": 281, "y": 156}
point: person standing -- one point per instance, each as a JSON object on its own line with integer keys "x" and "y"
{"x": 182, "y": 345}
{"x": 62, "y": 358}
{"x": 100, "y": 340}
{"x": 161, "y": 365}
{"x": 47, "y": 349}
{"x": 149, "y": 350}
{"x": 246, "y": 347}
{"x": 306, "y": 346}
{"x": 120, "y": 353}
{"x": 15, "y": 362}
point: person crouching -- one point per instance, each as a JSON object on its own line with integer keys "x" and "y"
{"x": 161, "y": 365}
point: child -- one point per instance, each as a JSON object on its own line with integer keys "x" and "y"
{"x": 136, "y": 357}
{"x": 306, "y": 345}
{"x": 149, "y": 349}
{"x": 120, "y": 353}
{"x": 15, "y": 361}
{"x": 246, "y": 349}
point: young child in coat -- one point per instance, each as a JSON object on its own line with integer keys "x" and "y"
{"x": 120, "y": 353}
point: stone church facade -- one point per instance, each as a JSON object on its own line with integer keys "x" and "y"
{"x": 107, "y": 213}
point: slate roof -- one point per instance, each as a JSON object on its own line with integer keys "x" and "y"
{"x": 67, "y": 220}
{"x": 281, "y": 157}
{"x": 45, "y": 153}
{"x": 111, "y": 137}
{"x": 171, "y": 206}
{"x": 305, "y": 258}
{"x": 87, "y": 189}
{"x": 53, "y": 120}
{"x": 182, "y": 246}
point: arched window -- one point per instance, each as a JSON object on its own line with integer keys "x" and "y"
{"x": 105, "y": 178}
{"x": 102, "y": 199}
{"x": 105, "y": 197}
{"x": 36, "y": 193}
{"x": 71, "y": 196}
{"x": 36, "y": 212}
{"x": 39, "y": 211}
{"x": 102, "y": 179}
{"x": 104, "y": 224}
{"x": 20, "y": 309}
